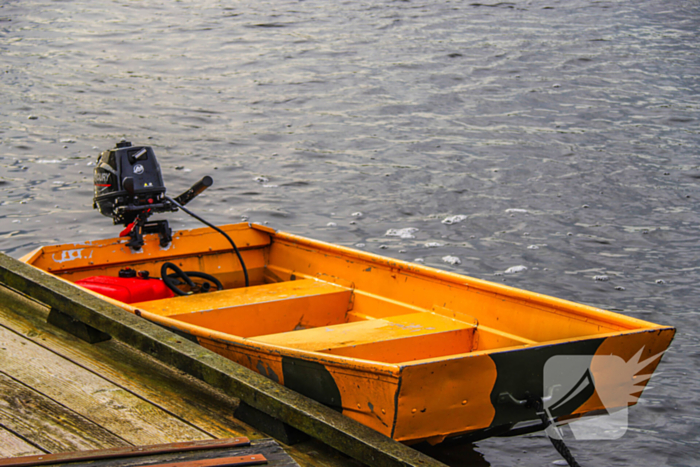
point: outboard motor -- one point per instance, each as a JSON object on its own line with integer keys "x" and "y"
{"x": 129, "y": 188}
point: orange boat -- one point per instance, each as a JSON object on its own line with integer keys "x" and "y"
{"x": 411, "y": 351}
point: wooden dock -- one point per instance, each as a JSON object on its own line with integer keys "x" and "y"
{"x": 146, "y": 386}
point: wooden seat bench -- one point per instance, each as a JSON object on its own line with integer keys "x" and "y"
{"x": 391, "y": 339}
{"x": 260, "y": 309}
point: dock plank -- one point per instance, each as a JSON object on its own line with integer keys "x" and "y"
{"x": 273, "y": 452}
{"x": 12, "y": 445}
{"x": 177, "y": 393}
{"x": 48, "y": 424}
{"x": 270, "y": 449}
{"x": 112, "y": 407}
{"x": 123, "y": 452}
{"x": 211, "y": 452}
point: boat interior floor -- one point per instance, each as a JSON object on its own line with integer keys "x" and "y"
{"x": 314, "y": 315}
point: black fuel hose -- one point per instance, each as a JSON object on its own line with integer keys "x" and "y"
{"x": 235, "y": 248}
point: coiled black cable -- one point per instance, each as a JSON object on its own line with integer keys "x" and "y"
{"x": 235, "y": 248}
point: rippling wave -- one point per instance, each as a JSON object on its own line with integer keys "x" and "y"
{"x": 563, "y": 133}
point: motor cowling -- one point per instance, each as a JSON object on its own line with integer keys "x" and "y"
{"x": 127, "y": 176}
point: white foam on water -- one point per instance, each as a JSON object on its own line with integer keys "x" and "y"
{"x": 453, "y": 260}
{"x": 515, "y": 269}
{"x": 402, "y": 233}
{"x": 454, "y": 219}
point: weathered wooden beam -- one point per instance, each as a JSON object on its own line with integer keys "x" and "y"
{"x": 123, "y": 452}
{"x": 240, "y": 461}
{"x": 308, "y": 416}
{"x": 269, "y": 425}
{"x": 75, "y": 327}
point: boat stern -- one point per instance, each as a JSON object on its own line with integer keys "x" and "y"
{"x": 486, "y": 394}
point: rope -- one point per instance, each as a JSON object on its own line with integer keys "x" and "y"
{"x": 558, "y": 444}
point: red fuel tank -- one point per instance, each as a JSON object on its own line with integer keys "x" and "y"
{"x": 127, "y": 289}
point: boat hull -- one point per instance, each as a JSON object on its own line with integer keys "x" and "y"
{"x": 413, "y": 352}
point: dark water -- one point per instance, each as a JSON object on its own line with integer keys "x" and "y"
{"x": 565, "y": 131}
